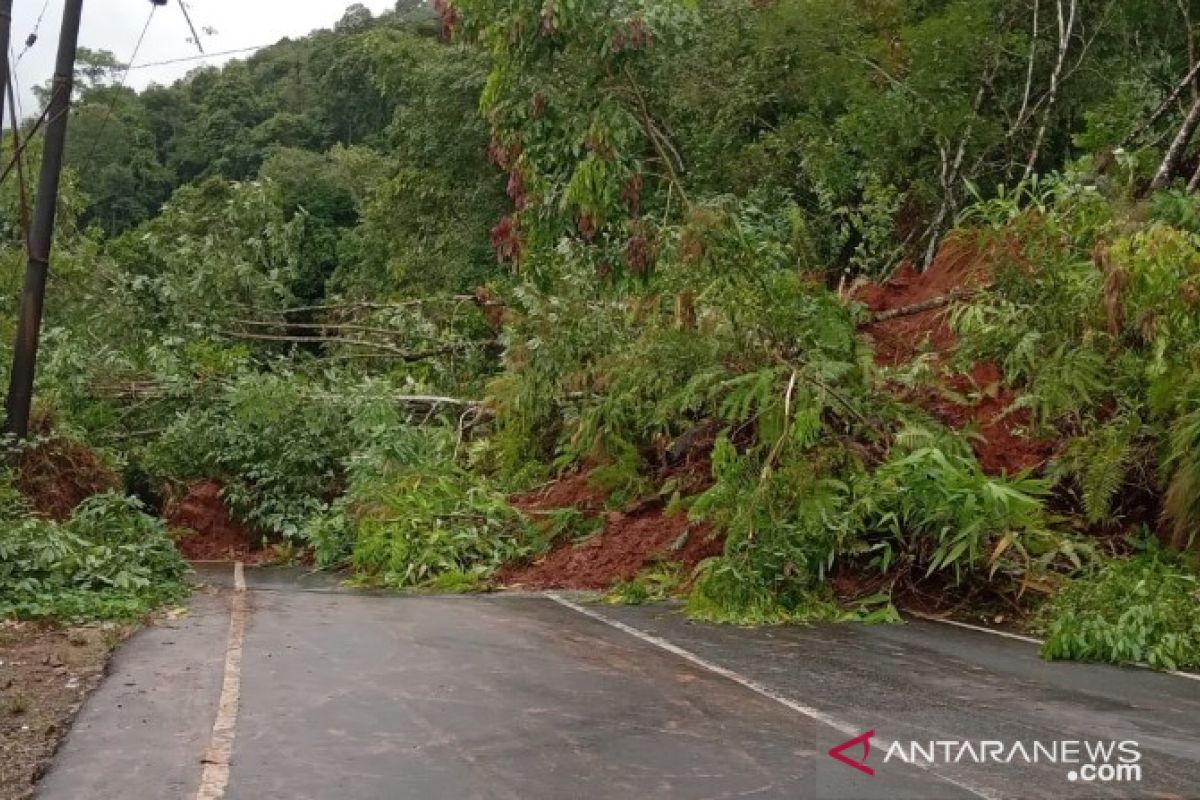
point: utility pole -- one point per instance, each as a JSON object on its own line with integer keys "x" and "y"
{"x": 5, "y": 38}
{"x": 41, "y": 238}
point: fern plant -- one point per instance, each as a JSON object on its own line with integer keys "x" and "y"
{"x": 1101, "y": 462}
{"x": 1062, "y": 382}
{"x": 1181, "y": 504}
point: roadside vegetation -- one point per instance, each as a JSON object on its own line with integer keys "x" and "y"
{"x": 797, "y": 310}
{"x": 109, "y": 561}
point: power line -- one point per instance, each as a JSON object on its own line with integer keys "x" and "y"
{"x": 37, "y": 26}
{"x": 195, "y": 35}
{"x": 120, "y": 86}
{"x": 199, "y": 58}
{"x": 42, "y": 119}
{"x": 138, "y": 47}
{"x": 19, "y": 160}
{"x": 13, "y": 59}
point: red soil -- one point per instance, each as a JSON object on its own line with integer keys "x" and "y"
{"x": 59, "y": 474}
{"x": 958, "y": 266}
{"x": 978, "y": 400}
{"x": 628, "y": 543}
{"x": 569, "y": 491}
{"x": 209, "y": 533}
{"x": 1004, "y": 444}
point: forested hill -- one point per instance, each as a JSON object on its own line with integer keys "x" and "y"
{"x": 879, "y": 121}
{"x": 374, "y": 121}
{"x": 795, "y": 308}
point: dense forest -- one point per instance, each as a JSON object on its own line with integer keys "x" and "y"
{"x": 863, "y": 304}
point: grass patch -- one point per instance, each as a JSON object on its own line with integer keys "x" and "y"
{"x": 652, "y": 585}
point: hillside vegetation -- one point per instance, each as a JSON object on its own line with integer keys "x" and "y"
{"x": 840, "y": 304}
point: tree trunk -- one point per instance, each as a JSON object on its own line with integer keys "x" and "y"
{"x": 1066, "y": 29}
{"x": 1174, "y": 155}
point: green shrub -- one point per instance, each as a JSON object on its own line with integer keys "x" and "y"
{"x": 941, "y": 512}
{"x": 784, "y": 529}
{"x": 435, "y": 529}
{"x": 1128, "y": 611}
{"x": 269, "y": 439}
{"x": 1181, "y": 504}
{"x": 413, "y": 518}
{"x": 109, "y": 561}
{"x": 651, "y": 585}
{"x": 724, "y": 595}
{"x": 1104, "y": 460}
{"x": 923, "y": 510}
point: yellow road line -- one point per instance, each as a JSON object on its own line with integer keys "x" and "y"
{"x": 215, "y": 778}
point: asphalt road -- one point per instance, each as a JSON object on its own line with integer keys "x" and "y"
{"x": 345, "y": 696}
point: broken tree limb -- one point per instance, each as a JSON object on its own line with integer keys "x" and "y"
{"x": 1174, "y": 155}
{"x": 667, "y": 152}
{"x": 924, "y": 305}
{"x": 370, "y": 306}
{"x": 799, "y": 374}
{"x": 434, "y": 400}
{"x": 405, "y": 355}
{"x": 413, "y": 402}
{"x": 1188, "y": 80}
{"x": 317, "y": 326}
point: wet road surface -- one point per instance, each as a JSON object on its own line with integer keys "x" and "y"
{"x": 346, "y": 696}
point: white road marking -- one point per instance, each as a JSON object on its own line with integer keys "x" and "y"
{"x": 1191, "y": 676}
{"x": 761, "y": 690}
{"x": 215, "y": 777}
{"x": 970, "y": 627}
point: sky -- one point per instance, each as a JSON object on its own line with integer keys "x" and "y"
{"x": 116, "y": 24}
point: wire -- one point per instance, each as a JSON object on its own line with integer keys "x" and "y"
{"x": 19, "y": 160}
{"x": 120, "y": 86}
{"x": 37, "y": 26}
{"x": 16, "y": 113}
{"x": 116, "y": 89}
{"x": 195, "y": 35}
{"x": 12, "y": 70}
{"x": 41, "y": 120}
{"x": 138, "y": 47}
{"x": 198, "y": 58}
{"x": 12, "y": 59}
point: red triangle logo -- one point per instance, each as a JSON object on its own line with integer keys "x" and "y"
{"x": 865, "y": 740}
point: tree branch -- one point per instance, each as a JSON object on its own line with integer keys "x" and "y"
{"x": 369, "y": 306}
{"x": 404, "y": 355}
{"x": 1192, "y": 74}
{"x": 1066, "y": 29}
{"x": 1174, "y": 154}
{"x": 319, "y": 326}
{"x": 1033, "y": 43}
{"x": 661, "y": 145}
{"x": 924, "y": 305}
